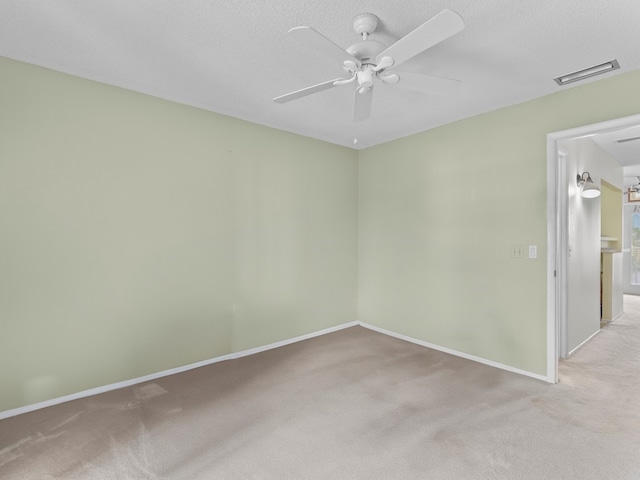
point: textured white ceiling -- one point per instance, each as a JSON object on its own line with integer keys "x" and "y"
{"x": 233, "y": 57}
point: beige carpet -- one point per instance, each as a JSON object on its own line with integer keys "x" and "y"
{"x": 350, "y": 405}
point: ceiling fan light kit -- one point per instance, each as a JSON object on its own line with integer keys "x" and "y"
{"x": 368, "y": 61}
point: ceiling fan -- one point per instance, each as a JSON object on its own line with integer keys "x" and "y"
{"x": 370, "y": 60}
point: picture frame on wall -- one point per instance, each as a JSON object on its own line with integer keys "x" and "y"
{"x": 633, "y": 195}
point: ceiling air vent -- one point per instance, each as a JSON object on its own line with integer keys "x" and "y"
{"x": 587, "y": 72}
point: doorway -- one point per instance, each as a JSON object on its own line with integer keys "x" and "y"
{"x": 558, "y": 178}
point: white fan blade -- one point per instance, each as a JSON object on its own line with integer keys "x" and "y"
{"x": 389, "y": 78}
{"x": 362, "y": 107}
{"x": 307, "y": 91}
{"x": 322, "y": 44}
{"x": 419, "y": 82}
{"x": 430, "y": 33}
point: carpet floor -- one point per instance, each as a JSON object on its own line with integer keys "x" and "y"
{"x": 354, "y": 404}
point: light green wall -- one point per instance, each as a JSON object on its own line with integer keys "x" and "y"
{"x": 611, "y": 213}
{"x": 138, "y": 235}
{"x": 440, "y": 210}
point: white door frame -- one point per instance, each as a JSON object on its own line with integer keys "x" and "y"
{"x": 557, "y": 233}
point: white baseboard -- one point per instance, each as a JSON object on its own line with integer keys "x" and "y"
{"x": 252, "y": 351}
{"x": 616, "y": 317}
{"x": 456, "y": 353}
{"x": 583, "y": 343}
{"x": 282, "y": 343}
{"x": 165, "y": 373}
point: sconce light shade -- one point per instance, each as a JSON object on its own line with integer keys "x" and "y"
{"x": 588, "y": 188}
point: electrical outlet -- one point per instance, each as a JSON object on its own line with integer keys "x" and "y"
{"x": 517, "y": 251}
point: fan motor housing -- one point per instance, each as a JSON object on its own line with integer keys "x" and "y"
{"x": 367, "y": 50}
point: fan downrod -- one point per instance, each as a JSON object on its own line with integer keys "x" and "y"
{"x": 366, "y": 50}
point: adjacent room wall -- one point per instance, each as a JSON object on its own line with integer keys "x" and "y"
{"x": 611, "y": 213}
{"x": 629, "y": 281}
{"x": 584, "y": 232}
{"x": 441, "y": 210}
{"x": 139, "y": 235}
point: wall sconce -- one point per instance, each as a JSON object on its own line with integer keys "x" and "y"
{"x": 589, "y": 189}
